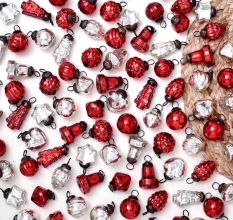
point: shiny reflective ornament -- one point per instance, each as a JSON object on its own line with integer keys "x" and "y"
{"x": 229, "y": 151}
{"x": 64, "y": 106}
{"x": 200, "y": 80}
{"x": 55, "y": 216}
{"x": 102, "y": 212}
{"x": 225, "y": 189}
{"x": 3, "y": 147}
{"x": 8, "y": 12}
{"x": 226, "y": 50}
{"x": 129, "y": 19}
{"x": 214, "y": 208}
{"x": 93, "y": 28}
{"x": 204, "y": 10}
{"x": 6, "y": 170}
{"x": 86, "y": 155}
{"x": 110, "y": 154}
{"x": 26, "y": 214}
{"x": 203, "y": 109}
{"x": 153, "y": 119}
{"x": 174, "y": 169}
{"x": 3, "y": 45}
{"x": 28, "y": 166}
{"x": 44, "y": 38}
{"x": 227, "y": 102}
{"x": 120, "y": 182}
{"x": 76, "y": 206}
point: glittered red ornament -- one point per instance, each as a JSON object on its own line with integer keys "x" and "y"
{"x": 176, "y": 119}
{"x": 213, "y": 129}
{"x": 87, "y": 6}
{"x": 214, "y": 207}
{"x": 225, "y": 78}
{"x": 28, "y": 165}
{"x": 163, "y": 143}
{"x": 127, "y": 124}
{"x": 180, "y": 23}
{"x": 66, "y": 18}
{"x": 92, "y": 57}
{"x": 175, "y": 89}
{"x": 15, "y": 91}
{"x": 110, "y": 11}
{"x": 58, "y": 2}
{"x": 95, "y": 109}
{"x": 67, "y": 71}
{"x": 163, "y": 68}
{"x": 120, "y": 182}
{"x": 2, "y": 148}
{"x": 55, "y": 216}
{"x": 154, "y": 11}
{"x": 183, "y": 6}
{"x": 115, "y": 37}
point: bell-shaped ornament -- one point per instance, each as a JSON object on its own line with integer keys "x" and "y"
{"x": 225, "y": 189}
{"x": 153, "y": 118}
{"x": 129, "y": 19}
{"x": 6, "y": 170}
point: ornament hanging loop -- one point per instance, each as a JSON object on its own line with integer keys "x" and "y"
{"x": 17, "y": 28}
{"x": 129, "y": 166}
{"x": 162, "y": 180}
{"x": 188, "y": 131}
{"x": 103, "y": 48}
{"x": 140, "y": 133}
{"x": 53, "y": 125}
{"x": 170, "y": 16}
{"x": 196, "y": 33}
{"x": 85, "y": 135}
{"x": 175, "y": 104}
{"x": 123, "y": 4}
{"x": 71, "y": 88}
{"x": 125, "y": 84}
{"x": 175, "y": 61}
{"x": 103, "y": 98}
{"x": 148, "y": 158}
{"x": 186, "y": 213}
{"x": 163, "y": 24}
{"x": 70, "y": 32}
{"x": 32, "y": 100}
{"x": 189, "y": 180}
{"x": 111, "y": 141}
{"x": 1, "y": 83}
{"x": 159, "y": 107}
{"x": 134, "y": 193}
{"x": 67, "y": 194}
{"x": 37, "y": 74}
{"x": 151, "y": 62}
{"x": 208, "y": 195}
{"x": 29, "y": 34}
{"x": 25, "y": 153}
{"x": 215, "y": 185}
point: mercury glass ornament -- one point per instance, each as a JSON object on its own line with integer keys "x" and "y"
{"x": 193, "y": 144}
{"x": 110, "y": 154}
{"x": 198, "y": 218}
{"x": 61, "y": 176}
{"x": 76, "y": 206}
{"x": 152, "y": 119}
{"x": 129, "y": 19}
{"x": 203, "y": 10}
{"x": 227, "y": 102}
{"x": 6, "y": 170}
{"x": 203, "y": 109}
{"x": 226, "y": 190}
{"x": 64, "y": 106}
{"x": 8, "y": 12}
{"x": 229, "y": 151}
{"x": 83, "y": 85}
{"x": 3, "y": 45}
{"x": 26, "y": 215}
{"x": 200, "y": 80}
{"x": 102, "y": 212}
{"x": 174, "y": 168}
{"x": 93, "y": 28}
{"x": 227, "y": 50}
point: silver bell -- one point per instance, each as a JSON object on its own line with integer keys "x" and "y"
{"x": 152, "y": 119}
{"x": 110, "y": 154}
{"x": 225, "y": 189}
{"x": 6, "y": 170}
{"x": 26, "y": 215}
{"x": 129, "y": 19}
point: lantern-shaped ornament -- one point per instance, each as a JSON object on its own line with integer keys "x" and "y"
{"x": 102, "y": 211}
{"x": 6, "y": 170}
{"x": 8, "y": 12}
{"x": 64, "y": 106}
{"x": 93, "y": 28}
{"x": 129, "y": 19}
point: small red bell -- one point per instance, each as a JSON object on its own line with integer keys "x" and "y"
{"x": 69, "y": 133}
{"x": 67, "y": 71}
{"x": 176, "y": 119}
{"x": 148, "y": 180}
{"x": 58, "y": 2}
{"x": 28, "y": 165}
{"x": 140, "y": 42}
{"x": 145, "y": 96}
{"x": 55, "y": 216}
{"x": 41, "y": 196}
{"x": 156, "y": 202}
{"x": 115, "y": 37}
{"x": 95, "y": 109}
{"x": 183, "y": 6}
{"x": 163, "y": 68}
{"x": 180, "y": 23}
{"x": 15, "y": 92}
{"x": 86, "y": 182}
{"x": 130, "y": 207}
{"x": 2, "y": 148}
{"x": 120, "y": 182}
{"x": 214, "y": 208}
{"x": 127, "y": 124}
{"x": 47, "y": 157}
{"x": 66, "y": 18}
{"x": 225, "y": 78}
{"x": 87, "y": 6}
{"x": 204, "y": 55}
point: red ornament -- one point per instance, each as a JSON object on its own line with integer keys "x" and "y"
{"x": 115, "y": 37}
{"x": 120, "y": 182}
{"x": 180, "y": 23}
{"x": 17, "y": 41}
{"x": 154, "y": 11}
{"x": 140, "y": 42}
{"x": 58, "y": 2}
{"x": 225, "y": 78}
{"x": 86, "y": 182}
{"x": 95, "y": 109}
{"x": 130, "y": 207}
{"x": 163, "y": 143}
{"x": 87, "y": 6}
{"x": 183, "y": 6}
{"x": 66, "y": 18}
{"x": 15, "y": 92}
{"x": 163, "y": 68}
{"x": 92, "y": 57}
{"x": 69, "y": 133}
{"x": 49, "y": 83}
{"x": 41, "y": 196}
{"x": 176, "y": 119}
{"x": 110, "y": 11}
{"x": 28, "y": 166}
{"x": 175, "y": 89}
{"x": 67, "y": 71}
{"x": 47, "y": 157}
{"x": 156, "y": 202}
{"x": 55, "y": 216}
{"x": 185, "y": 216}
{"x": 214, "y": 129}
{"x": 213, "y": 207}
{"x": 2, "y": 148}
{"x": 127, "y": 124}
{"x": 101, "y": 131}
{"x": 145, "y": 96}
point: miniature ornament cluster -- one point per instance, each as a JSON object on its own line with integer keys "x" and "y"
{"x": 115, "y": 98}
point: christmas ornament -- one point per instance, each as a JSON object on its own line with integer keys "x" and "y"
{"x": 17, "y": 117}
{"x": 120, "y": 182}
{"x": 8, "y": 12}
{"x": 115, "y": 37}
{"x": 61, "y": 175}
{"x": 153, "y": 119}
{"x": 163, "y": 49}
{"x": 163, "y": 68}
{"x": 86, "y": 182}
{"x": 41, "y": 196}
{"x": 93, "y": 28}
{"x": 6, "y": 170}
{"x": 3, "y": 45}
{"x": 127, "y": 124}
{"x": 14, "y": 196}
{"x": 67, "y": 71}
{"x": 28, "y": 165}
{"x": 185, "y": 216}
{"x": 148, "y": 180}
{"x": 200, "y": 80}
{"x": 183, "y": 6}
{"x": 49, "y": 83}
{"x": 69, "y": 133}
{"x": 55, "y": 216}
{"x": 66, "y": 18}
{"x": 180, "y": 23}
{"x": 58, "y": 2}
{"x": 44, "y": 38}
{"x": 176, "y": 119}
{"x": 102, "y": 212}
{"x": 87, "y": 6}
{"x": 86, "y": 155}
{"x": 95, "y": 109}
{"x": 47, "y": 157}
{"x": 140, "y": 42}
{"x": 63, "y": 49}
{"x": 26, "y": 214}
{"x": 225, "y": 78}
{"x": 64, "y": 106}
{"x": 2, "y": 148}
{"x": 145, "y": 96}
{"x": 211, "y": 31}
{"x": 214, "y": 207}
{"x": 202, "y": 171}
{"x": 92, "y": 57}
{"x": 129, "y": 20}
{"x": 226, "y": 190}
{"x": 130, "y": 207}
{"x": 163, "y": 143}
{"x": 156, "y": 202}
{"x": 76, "y": 206}
{"x": 227, "y": 102}
{"x": 43, "y": 115}
{"x": 15, "y": 92}
{"x": 30, "y": 8}
{"x": 226, "y": 50}
{"x": 229, "y": 151}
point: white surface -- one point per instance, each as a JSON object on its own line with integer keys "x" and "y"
{"x": 101, "y": 194}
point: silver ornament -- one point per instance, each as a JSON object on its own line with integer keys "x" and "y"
{"x": 93, "y": 28}
{"x": 44, "y": 38}
{"x": 6, "y": 170}
{"x": 3, "y": 45}
{"x": 64, "y": 106}
{"x": 225, "y": 189}
{"x": 129, "y": 19}
{"x": 193, "y": 144}
{"x": 187, "y": 197}
{"x": 110, "y": 154}
{"x": 197, "y": 218}
{"x": 102, "y": 212}
{"x": 227, "y": 102}
{"x": 203, "y": 10}
{"x": 227, "y": 50}
{"x": 26, "y": 215}
{"x": 152, "y": 119}
{"x": 200, "y": 80}
{"x": 76, "y": 206}
{"x": 203, "y": 109}
{"x": 83, "y": 85}
{"x": 8, "y": 13}
{"x": 229, "y": 151}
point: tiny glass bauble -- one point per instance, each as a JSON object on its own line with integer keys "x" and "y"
{"x": 64, "y": 106}
{"x": 6, "y": 170}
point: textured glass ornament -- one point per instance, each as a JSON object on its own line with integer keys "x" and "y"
{"x": 93, "y": 28}
{"x": 200, "y": 80}
{"x": 110, "y": 154}
{"x": 152, "y": 119}
{"x": 8, "y": 13}
{"x": 174, "y": 168}
{"x": 129, "y": 19}
{"x": 225, "y": 189}
{"x": 83, "y": 85}
{"x": 203, "y": 10}
{"x": 227, "y": 102}
{"x": 3, "y": 45}
{"x": 6, "y": 170}
{"x": 193, "y": 144}
{"x": 26, "y": 215}
{"x": 64, "y": 106}
{"x": 229, "y": 151}
{"x": 226, "y": 50}
{"x": 203, "y": 109}
{"x": 102, "y": 212}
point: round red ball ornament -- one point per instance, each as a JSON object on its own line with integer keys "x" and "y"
{"x": 163, "y": 68}
{"x": 214, "y": 207}
{"x": 155, "y": 11}
{"x": 110, "y": 10}
{"x": 87, "y": 6}
{"x": 67, "y": 71}
{"x": 58, "y": 2}
{"x": 28, "y": 165}
{"x": 176, "y": 119}
{"x": 127, "y": 124}
{"x": 213, "y": 129}
{"x": 2, "y": 148}
{"x": 225, "y": 78}
{"x": 14, "y": 91}
{"x": 66, "y": 18}
{"x": 180, "y": 23}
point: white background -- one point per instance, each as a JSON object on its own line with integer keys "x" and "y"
{"x": 37, "y": 58}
